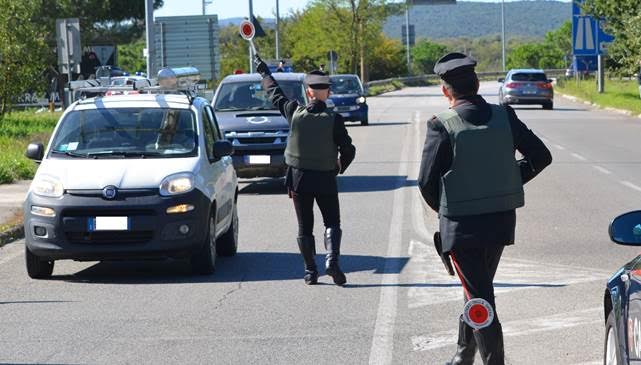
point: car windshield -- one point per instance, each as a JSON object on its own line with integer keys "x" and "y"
{"x": 126, "y": 132}
{"x": 252, "y": 96}
{"x": 345, "y": 85}
{"x": 529, "y": 76}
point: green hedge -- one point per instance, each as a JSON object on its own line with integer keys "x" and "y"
{"x": 17, "y": 130}
{"x": 620, "y": 94}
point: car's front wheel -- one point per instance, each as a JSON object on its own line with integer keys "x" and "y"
{"x": 203, "y": 261}
{"x": 365, "y": 121}
{"x": 548, "y": 106}
{"x": 610, "y": 355}
{"x": 37, "y": 268}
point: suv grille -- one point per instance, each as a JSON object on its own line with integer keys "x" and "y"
{"x": 261, "y": 137}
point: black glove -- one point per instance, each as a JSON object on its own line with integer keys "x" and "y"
{"x": 261, "y": 67}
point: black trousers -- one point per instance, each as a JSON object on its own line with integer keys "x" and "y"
{"x": 476, "y": 268}
{"x": 304, "y": 206}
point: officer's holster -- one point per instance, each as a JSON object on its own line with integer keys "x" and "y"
{"x": 445, "y": 257}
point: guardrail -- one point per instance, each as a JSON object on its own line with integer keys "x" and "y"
{"x": 434, "y": 77}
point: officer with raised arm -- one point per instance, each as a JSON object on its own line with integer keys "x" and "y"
{"x": 470, "y": 176}
{"x": 318, "y": 148}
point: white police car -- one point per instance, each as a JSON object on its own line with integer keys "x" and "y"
{"x": 136, "y": 176}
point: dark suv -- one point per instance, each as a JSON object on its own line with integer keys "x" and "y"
{"x": 526, "y": 86}
{"x": 250, "y": 122}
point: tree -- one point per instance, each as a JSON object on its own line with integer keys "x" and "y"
{"x": 130, "y": 56}
{"x": 623, "y": 21}
{"x": 22, "y": 50}
{"x": 425, "y": 54}
{"x": 387, "y": 59}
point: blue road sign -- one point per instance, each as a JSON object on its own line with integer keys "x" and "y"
{"x": 588, "y": 37}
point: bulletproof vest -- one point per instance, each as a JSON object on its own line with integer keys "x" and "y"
{"x": 311, "y": 141}
{"x": 484, "y": 176}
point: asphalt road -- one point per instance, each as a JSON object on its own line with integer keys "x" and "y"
{"x": 399, "y": 307}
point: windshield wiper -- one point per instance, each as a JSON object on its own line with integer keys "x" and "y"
{"x": 69, "y": 153}
{"x": 142, "y": 154}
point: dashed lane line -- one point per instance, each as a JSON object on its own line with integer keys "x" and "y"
{"x": 602, "y": 169}
{"x": 630, "y": 185}
{"x": 383, "y": 339}
{"x": 578, "y": 157}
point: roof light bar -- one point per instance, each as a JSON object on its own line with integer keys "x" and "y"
{"x": 181, "y": 78}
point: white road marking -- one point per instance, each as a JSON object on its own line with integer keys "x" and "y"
{"x": 383, "y": 338}
{"x": 602, "y": 169}
{"x": 578, "y": 157}
{"x": 521, "y": 327}
{"x": 558, "y": 147}
{"x": 10, "y": 252}
{"x": 631, "y": 185}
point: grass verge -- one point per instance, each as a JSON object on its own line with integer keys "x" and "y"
{"x": 17, "y": 130}
{"x": 394, "y": 85}
{"x": 619, "y": 94}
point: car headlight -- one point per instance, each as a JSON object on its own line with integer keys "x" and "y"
{"x": 361, "y": 100}
{"x": 47, "y": 186}
{"x": 177, "y": 184}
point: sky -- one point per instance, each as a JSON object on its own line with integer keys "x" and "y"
{"x": 237, "y": 8}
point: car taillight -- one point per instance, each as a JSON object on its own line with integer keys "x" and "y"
{"x": 512, "y": 85}
{"x": 545, "y": 85}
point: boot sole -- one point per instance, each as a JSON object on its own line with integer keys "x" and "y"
{"x": 338, "y": 277}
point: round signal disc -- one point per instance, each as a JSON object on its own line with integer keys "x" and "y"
{"x": 478, "y": 313}
{"x": 247, "y": 30}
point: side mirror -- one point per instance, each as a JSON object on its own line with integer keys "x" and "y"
{"x": 501, "y": 80}
{"x": 222, "y": 148}
{"x": 626, "y": 229}
{"x": 35, "y": 151}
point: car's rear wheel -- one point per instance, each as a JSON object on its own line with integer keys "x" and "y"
{"x": 548, "y": 106}
{"x": 38, "y": 268}
{"x": 227, "y": 245}
{"x": 203, "y": 261}
{"x": 610, "y": 355}
{"x": 365, "y": 121}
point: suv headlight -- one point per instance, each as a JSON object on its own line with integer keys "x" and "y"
{"x": 177, "y": 184}
{"x": 48, "y": 186}
{"x": 361, "y": 100}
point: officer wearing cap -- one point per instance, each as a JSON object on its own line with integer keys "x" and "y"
{"x": 470, "y": 176}
{"x": 318, "y": 148}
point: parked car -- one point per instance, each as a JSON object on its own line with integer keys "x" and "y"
{"x": 526, "y": 86}
{"x": 348, "y": 96}
{"x": 132, "y": 177}
{"x": 622, "y": 298}
{"x": 253, "y": 125}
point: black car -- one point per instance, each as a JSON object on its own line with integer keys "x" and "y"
{"x": 622, "y": 299}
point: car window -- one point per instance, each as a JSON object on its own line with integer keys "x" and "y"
{"x": 345, "y": 85}
{"x": 529, "y": 76}
{"x": 210, "y": 136}
{"x": 212, "y": 120}
{"x": 157, "y": 132}
{"x": 251, "y": 95}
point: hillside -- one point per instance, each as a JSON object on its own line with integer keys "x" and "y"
{"x": 475, "y": 19}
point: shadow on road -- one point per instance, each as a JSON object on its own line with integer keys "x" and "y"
{"x": 377, "y": 124}
{"x": 275, "y": 186}
{"x": 365, "y": 184}
{"x": 245, "y": 266}
{"x": 517, "y": 108}
{"x": 36, "y": 302}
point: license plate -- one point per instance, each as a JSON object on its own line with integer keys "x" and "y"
{"x": 529, "y": 91}
{"x": 259, "y": 160}
{"x": 108, "y": 224}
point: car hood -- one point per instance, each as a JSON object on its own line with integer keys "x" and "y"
{"x": 241, "y": 121}
{"x": 129, "y": 173}
{"x": 344, "y": 99}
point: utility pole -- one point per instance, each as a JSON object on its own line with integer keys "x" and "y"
{"x": 407, "y": 37}
{"x": 251, "y": 53}
{"x": 277, "y": 36}
{"x": 149, "y": 35}
{"x": 503, "y": 32}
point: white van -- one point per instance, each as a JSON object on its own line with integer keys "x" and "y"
{"x": 136, "y": 176}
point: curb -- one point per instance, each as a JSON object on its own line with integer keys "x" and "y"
{"x": 606, "y": 108}
{"x": 12, "y": 234}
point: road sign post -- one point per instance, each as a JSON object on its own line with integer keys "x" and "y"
{"x": 332, "y": 57}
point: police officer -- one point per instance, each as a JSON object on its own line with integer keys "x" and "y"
{"x": 470, "y": 176}
{"x": 318, "y": 148}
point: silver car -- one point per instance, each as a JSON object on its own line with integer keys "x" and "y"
{"x": 526, "y": 86}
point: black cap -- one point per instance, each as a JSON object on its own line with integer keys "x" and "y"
{"x": 317, "y": 80}
{"x": 454, "y": 65}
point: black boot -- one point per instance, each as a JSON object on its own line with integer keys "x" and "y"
{"x": 307, "y": 248}
{"x": 490, "y": 342}
{"x": 333, "y": 247}
{"x": 466, "y": 346}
